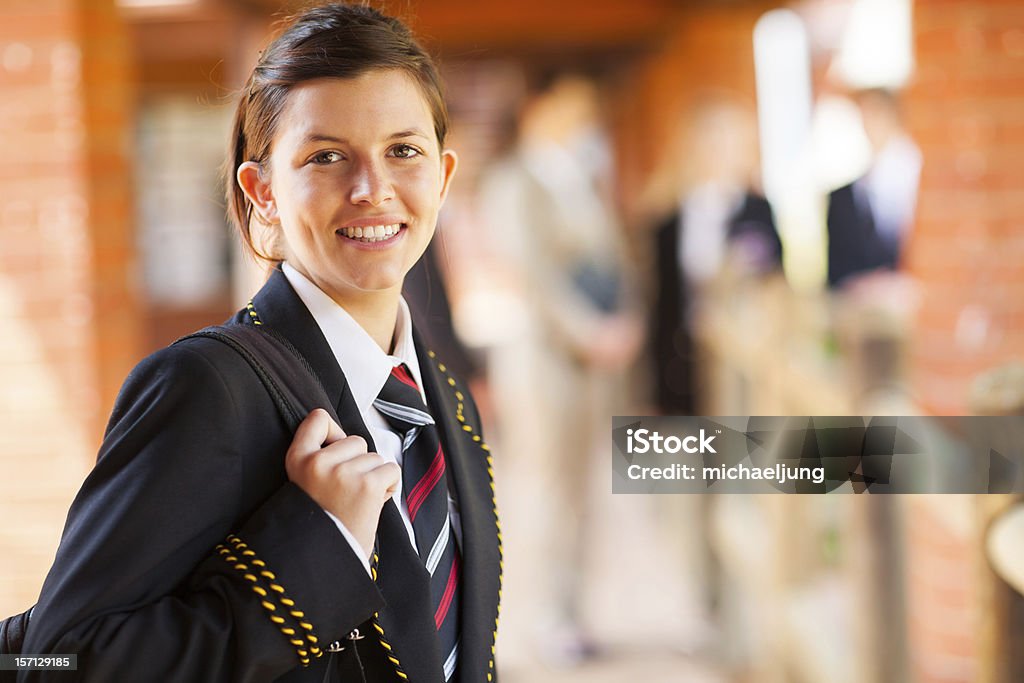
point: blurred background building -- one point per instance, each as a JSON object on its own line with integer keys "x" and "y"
{"x": 113, "y": 124}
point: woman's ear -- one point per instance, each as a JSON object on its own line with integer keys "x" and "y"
{"x": 449, "y": 162}
{"x": 256, "y": 186}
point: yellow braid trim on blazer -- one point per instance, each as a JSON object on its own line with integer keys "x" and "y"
{"x": 263, "y": 583}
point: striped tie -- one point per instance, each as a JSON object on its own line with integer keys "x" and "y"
{"x": 425, "y": 488}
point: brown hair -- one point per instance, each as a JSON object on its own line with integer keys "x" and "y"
{"x": 332, "y": 41}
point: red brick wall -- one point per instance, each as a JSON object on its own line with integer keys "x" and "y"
{"x": 943, "y": 598}
{"x": 65, "y": 221}
{"x": 966, "y": 109}
{"x": 107, "y": 80}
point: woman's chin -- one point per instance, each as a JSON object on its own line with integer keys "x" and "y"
{"x": 369, "y": 284}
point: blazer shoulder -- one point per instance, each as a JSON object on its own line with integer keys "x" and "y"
{"x": 664, "y": 228}
{"x": 195, "y": 359}
{"x": 844, "y": 192}
{"x": 199, "y": 368}
{"x": 757, "y": 206}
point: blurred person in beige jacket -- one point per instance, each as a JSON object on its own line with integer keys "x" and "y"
{"x": 571, "y": 328}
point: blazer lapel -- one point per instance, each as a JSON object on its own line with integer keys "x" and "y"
{"x": 473, "y": 492}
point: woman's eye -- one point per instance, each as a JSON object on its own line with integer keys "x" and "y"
{"x": 327, "y": 157}
{"x": 404, "y": 151}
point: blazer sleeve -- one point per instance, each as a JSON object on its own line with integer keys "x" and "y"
{"x": 158, "y": 578}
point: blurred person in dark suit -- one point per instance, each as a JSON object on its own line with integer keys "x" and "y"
{"x": 718, "y": 224}
{"x": 869, "y": 219}
{"x": 719, "y": 221}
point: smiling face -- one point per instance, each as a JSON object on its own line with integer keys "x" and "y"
{"x": 354, "y": 183}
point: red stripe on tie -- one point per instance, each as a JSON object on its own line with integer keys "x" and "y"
{"x": 402, "y": 375}
{"x": 449, "y": 593}
{"x": 425, "y": 485}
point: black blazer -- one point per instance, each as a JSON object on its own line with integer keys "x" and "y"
{"x": 854, "y": 245}
{"x": 673, "y": 352}
{"x": 193, "y": 459}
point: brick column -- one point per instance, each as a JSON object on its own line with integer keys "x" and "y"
{"x": 109, "y": 116}
{"x": 943, "y": 591}
{"x": 67, "y": 252}
{"x": 966, "y": 109}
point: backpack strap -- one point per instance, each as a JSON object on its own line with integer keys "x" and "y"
{"x": 12, "y": 635}
{"x": 287, "y": 375}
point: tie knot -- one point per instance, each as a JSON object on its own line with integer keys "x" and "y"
{"x": 400, "y": 402}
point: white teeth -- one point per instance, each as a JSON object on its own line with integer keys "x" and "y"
{"x": 373, "y": 233}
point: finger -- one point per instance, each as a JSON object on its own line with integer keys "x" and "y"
{"x": 349, "y": 464}
{"x": 386, "y": 475}
{"x": 334, "y": 430}
{"x": 311, "y": 434}
{"x": 344, "y": 449}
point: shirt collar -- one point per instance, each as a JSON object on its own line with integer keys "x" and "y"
{"x": 365, "y": 365}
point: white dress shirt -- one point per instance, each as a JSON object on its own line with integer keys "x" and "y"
{"x": 891, "y": 186}
{"x": 366, "y": 368}
{"x": 705, "y": 215}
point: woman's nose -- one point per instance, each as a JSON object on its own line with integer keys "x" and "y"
{"x": 371, "y": 184}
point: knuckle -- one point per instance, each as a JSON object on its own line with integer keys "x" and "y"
{"x": 293, "y": 458}
{"x": 318, "y": 467}
{"x": 364, "y": 485}
{"x": 347, "y": 472}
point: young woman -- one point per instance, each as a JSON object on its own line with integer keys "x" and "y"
{"x": 209, "y": 543}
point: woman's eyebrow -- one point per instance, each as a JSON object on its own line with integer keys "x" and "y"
{"x": 411, "y": 132}
{"x": 322, "y": 137}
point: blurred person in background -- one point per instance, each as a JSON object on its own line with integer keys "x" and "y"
{"x": 558, "y": 371}
{"x": 719, "y": 221}
{"x": 717, "y": 225}
{"x": 869, "y": 220}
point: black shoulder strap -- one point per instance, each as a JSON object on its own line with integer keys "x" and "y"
{"x": 12, "y": 636}
{"x": 286, "y": 374}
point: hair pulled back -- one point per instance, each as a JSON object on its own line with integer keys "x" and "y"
{"x": 336, "y": 40}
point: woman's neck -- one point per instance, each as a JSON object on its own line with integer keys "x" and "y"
{"x": 377, "y": 313}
